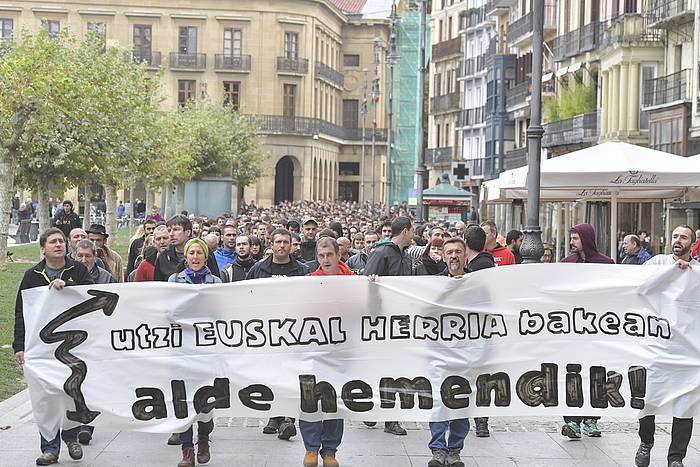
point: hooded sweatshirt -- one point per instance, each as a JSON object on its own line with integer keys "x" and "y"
{"x": 587, "y": 234}
{"x": 502, "y": 256}
{"x": 343, "y": 271}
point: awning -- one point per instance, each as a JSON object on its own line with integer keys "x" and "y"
{"x": 546, "y": 77}
{"x": 562, "y": 71}
{"x": 575, "y": 67}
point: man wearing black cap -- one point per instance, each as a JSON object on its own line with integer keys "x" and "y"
{"x": 308, "y": 245}
{"x": 66, "y": 219}
{"x": 98, "y": 235}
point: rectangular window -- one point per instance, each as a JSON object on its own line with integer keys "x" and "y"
{"x": 289, "y": 102}
{"x": 5, "y": 31}
{"x": 98, "y": 33}
{"x": 52, "y": 27}
{"x": 232, "y": 94}
{"x": 648, "y": 72}
{"x": 351, "y": 113}
{"x": 185, "y": 91}
{"x": 143, "y": 42}
{"x": 187, "y": 40}
{"x": 348, "y": 168}
{"x": 351, "y": 60}
{"x": 233, "y": 42}
{"x": 291, "y": 45}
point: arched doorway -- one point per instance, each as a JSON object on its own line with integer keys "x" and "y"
{"x": 284, "y": 180}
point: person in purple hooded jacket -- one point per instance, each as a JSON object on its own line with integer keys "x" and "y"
{"x": 583, "y": 250}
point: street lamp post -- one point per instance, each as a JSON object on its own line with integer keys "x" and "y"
{"x": 375, "y": 97}
{"x": 532, "y": 248}
{"x": 364, "y": 137}
{"x": 392, "y": 57}
{"x": 420, "y": 170}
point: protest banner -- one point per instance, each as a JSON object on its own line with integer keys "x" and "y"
{"x": 536, "y": 340}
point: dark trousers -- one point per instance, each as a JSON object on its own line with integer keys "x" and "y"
{"x": 681, "y": 432}
{"x": 323, "y": 436}
{"x": 579, "y": 420}
{"x": 203, "y": 429}
{"x": 54, "y": 446}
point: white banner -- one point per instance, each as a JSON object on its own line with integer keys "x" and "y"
{"x": 563, "y": 339}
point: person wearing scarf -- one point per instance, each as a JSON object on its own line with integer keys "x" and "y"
{"x": 195, "y": 272}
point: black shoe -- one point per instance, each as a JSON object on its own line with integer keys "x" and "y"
{"x": 287, "y": 429}
{"x": 643, "y": 456}
{"x": 394, "y": 428}
{"x": 273, "y": 425}
{"x": 370, "y": 424}
{"x": 47, "y": 458}
{"x": 84, "y": 437}
{"x": 482, "y": 427}
{"x": 75, "y": 450}
{"x": 174, "y": 440}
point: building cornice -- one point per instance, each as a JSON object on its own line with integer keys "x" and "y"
{"x": 96, "y": 12}
{"x": 142, "y": 14}
{"x": 50, "y": 9}
{"x": 11, "y": 8}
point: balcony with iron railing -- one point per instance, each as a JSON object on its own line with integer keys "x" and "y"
{"x": 579, "y": 129}
{"x": 669, "y": 89}
{"x": 152, "y": 59}
{"x": 446, "y": 49}
{"x": 227, "y": 62}
{"x": 473, "y": 18}
{"x": 472, "y": 66}
{"x": 492, "y": 7}
{"x": 576, "y": 42}
{"x": 470, "y": 117}
{"x": 326, "y": 72}
{"x": 475, "y": 167}
{"x": 445, "y": 103}
{"x": 515, "y": 158}
{"x": 195, "y": 62}
{"x": 667, "y": 13}
{"x": 292, "y": 65}
{"x": 630, "y": 27}
{"x": 518, "y": 94}
{"x": 438, "y": 156}
{"x": 521, "y": 29}
{"x": 307, "y": 126}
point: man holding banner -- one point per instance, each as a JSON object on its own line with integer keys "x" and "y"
{"x": 325, "y": 436}
{"x": 57, "y": 271}
{"x": 682, "y": 240}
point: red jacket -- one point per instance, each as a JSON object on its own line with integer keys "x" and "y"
{"x": 502, "y": 256}
{"x": 696, "y": 250}
{"x": 145, "y": 271}
{"x": 344, "y": 271}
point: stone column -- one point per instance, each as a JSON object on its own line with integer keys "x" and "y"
{"x": 624, "y": 93}
{"x": 633, "y": 99}
{"x": 604, "y": 104}
{"x": 614, "y": 88}
{"x": 692, "y": 217}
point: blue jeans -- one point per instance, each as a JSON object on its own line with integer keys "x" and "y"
{"x": 458, "y": 431}
{"x": 203, "y": 429}
{"x": 54, "y": 446}
{"x": 322, "y": 436}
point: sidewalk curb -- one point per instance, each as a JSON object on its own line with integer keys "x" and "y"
{"x": 16, "y": 410}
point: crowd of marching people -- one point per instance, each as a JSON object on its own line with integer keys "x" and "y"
{"x": 310, "y": 238}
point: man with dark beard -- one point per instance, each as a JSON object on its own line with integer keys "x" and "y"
{"x": 238, "y": 269}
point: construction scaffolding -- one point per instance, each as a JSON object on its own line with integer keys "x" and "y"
{"x": 407, "y": 102}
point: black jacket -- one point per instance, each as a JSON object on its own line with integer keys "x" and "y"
{"x": 307, "y": 251}
{"x": 134, "y": 252}
{"x": 238, "y": 270}
{"x": 483, "y": 260}
{"x": 387, "y": 259}
{"x": 167, "y": 263}
{"x": 262, "y": 269}
{"x": 66, "y": 222}
{"x": 74, "y": 273}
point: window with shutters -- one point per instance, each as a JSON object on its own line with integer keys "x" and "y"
{"x": 187, "y": 40}
{"x": 185, "y": 91}
{"x": 232, "y": 94}
{"x": 233, "y": 42}
{"x": 289, "y": 100}
{"x": 291, "y": 45}
{"x": 351, "y": 113}
{"x": 143, "y": 42}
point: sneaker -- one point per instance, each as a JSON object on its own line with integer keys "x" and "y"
{"x": 394, "y": 428}
{"x": 47, "y": 458}
{"x": 675, "y": 464}
{"x": 84, "y": 437}
{"x": 272, "y": 426}
{"x": 203, "y": 454}
{"x": 482, "y": 427}
{"x": 438, "y": 459}
{"x": 590, "y": 428}
{"x": 174, "y": 440}
{"x": 311, "y": 459}
{"x": 370, "y": 424}
{"x": 453, "y": 459}
{"x": 75, "y": 450}
{"x": 572, "y": 430}
{"x": 643, "y": 456}
{"x": 330, "y": 461}
{"x": 187, "y": 458}
{"x": 287, "y": 429}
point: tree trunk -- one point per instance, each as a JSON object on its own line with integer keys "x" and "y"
{"x": 180, "y": 205}
{"x": 7, "y": 166}
{"x": 168, "y": 201}
{"x": 111, "y": 214}
{"x": 150, "y": 200}
{"x": 43, "y": 209}
{"x": 132, "y": 211}
{"x": 86, "y": 212}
